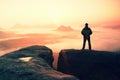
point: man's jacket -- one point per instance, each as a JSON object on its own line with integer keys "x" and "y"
{"x": 86, "y": 32}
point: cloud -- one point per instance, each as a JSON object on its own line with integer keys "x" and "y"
{"x": 11, "y": 41}
{"x": 8, "y": 34}
{"x": 25, "y": 26}
{"x": 113, "y": 26}
{"x": 29, "y": 39}
{"x": 19, "y": 28}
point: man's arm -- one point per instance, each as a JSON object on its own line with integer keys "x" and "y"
{"x": 82, "y": 32}
{"x": 90, "y": 31}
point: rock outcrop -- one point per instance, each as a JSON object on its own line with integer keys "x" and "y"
{"x": 90, "y": 65}
{"x": 31, "y": 63}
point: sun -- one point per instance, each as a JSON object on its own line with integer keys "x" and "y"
{"x": 55, "y": 15}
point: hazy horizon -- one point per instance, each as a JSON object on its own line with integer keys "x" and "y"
{"x": 63, "y": 37}
{"x": 58, "y": 24}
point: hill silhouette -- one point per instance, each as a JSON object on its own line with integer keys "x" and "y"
{"x": 63, "y": 28}
{"x": 90, "y": 65}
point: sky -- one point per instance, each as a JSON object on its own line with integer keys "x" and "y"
{"x": 65, "y": 12}
{"x": 57, "y": 23}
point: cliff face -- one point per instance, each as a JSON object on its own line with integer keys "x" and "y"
{"x": 31, "y": 63}
{"x": 90, "y": 65}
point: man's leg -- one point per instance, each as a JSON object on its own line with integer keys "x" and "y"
{"x": 89, "y": 43}
{"x": 84, "y": 42}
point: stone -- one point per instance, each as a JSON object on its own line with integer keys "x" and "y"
{"x": 89, "y": 64}
{"x": 30, "y": 63}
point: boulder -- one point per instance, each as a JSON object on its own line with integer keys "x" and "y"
{"x": 30, "y": 63}
{"x": 90, "y": 64}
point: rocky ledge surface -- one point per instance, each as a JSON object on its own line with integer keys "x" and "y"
{"x": 30, "y": 63}
{"x": 90, "y": 64}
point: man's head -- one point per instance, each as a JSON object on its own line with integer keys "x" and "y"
{"x": 86, "y": 24}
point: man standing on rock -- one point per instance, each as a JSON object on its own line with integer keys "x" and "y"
{"x": 86, "y": 32}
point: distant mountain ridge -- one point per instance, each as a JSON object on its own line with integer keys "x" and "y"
{"x": 63, "y": 28}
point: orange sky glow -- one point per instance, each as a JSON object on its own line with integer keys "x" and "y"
{"x": 65, "y": 12}
{"x": 57, "y": 23}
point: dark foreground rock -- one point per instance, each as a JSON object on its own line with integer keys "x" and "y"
{"x": 31, "y": 63}
{"x": 90, "y": 65}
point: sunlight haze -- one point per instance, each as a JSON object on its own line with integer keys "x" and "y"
{"x": 58, "y": 24}
{"x": 59, "y": 12}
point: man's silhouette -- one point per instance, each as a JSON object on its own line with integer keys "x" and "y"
{"x": 86, "y": 32}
